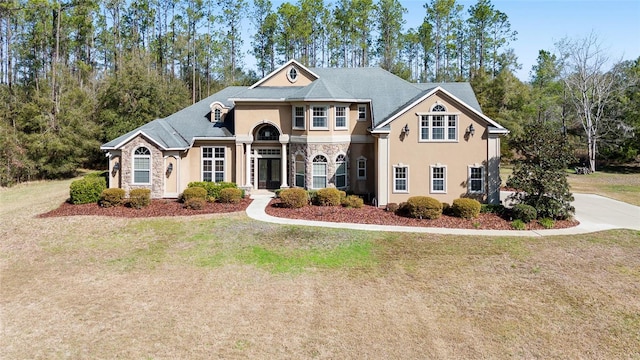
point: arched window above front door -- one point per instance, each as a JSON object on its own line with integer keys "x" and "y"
{"x": 268, "y": 133}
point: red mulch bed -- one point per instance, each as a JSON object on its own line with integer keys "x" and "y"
{"x": 373, "y": 215}
{"x": 162, "y": 207}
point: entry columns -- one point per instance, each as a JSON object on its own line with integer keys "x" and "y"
{"x": 283, "y": 166}
{"x": 248, "y": 160}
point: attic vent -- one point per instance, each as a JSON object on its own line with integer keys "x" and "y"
{"x": 292, "y": 74}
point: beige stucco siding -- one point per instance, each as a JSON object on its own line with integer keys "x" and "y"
{"x": 192, "y": 162}
{"x": 280, "y": 78}
{"x": 455, "y": 156}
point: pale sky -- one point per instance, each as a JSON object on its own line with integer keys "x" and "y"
{"x": 541, "y": 23}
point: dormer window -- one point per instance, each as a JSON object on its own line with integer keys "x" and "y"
{"x": 217, "y": 115}
{"x": 292, "y": 74}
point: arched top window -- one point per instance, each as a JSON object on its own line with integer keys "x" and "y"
{"x": 438, "y": 108}
{"x": 341, "y": 172}
{"x": 142, "y": 151}
{"x": 319, "y": 159}
{"x": 217, "y": 115}
{"x": 268, "y": 132}
{"x": 292, "y": 74}
{"x": 142, "y": 166}
{"x": 319, "y": 176}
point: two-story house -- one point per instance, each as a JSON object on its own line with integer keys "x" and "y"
{"x": 363, "y": 130}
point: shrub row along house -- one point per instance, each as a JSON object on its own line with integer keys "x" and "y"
{"x": 362, "y": 130}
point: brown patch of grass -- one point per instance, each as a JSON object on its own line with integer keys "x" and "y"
{"x": 623, "y": 187}
{"x": 104, "y": 287}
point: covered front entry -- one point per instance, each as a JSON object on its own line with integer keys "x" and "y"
{"x": 269, "y": 170}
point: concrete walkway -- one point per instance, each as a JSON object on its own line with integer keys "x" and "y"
{"x": 594, "y": 212}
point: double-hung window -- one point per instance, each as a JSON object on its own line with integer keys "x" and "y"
{"x": 142, "y": 166}
{"x": 217, "y": 115}
{"x": 298, "y": 117}
{"x": 319, "y": 169}
{"x": 438, "y": 179}
{"x": 319, "y": 118}
{"x": 341, "y": 117}
{"x": 341, "y": 172}
{"x": 362, "y": 112}
{"x": 438, "y": 125}
{"x": 401, "y": 179}
{"x": 300, "y": 171}
{"x": 362, "y": 168}
{"x": 476, "y": 179}
{"x": 213, "y": 164}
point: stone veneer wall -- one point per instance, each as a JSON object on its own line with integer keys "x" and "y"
{"x": 157, "y": 167}
{"x": 309, "y": 151}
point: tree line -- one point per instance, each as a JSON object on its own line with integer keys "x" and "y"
{"x": 77, "y": 73}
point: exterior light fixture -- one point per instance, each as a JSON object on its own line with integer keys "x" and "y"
{"x": 470, "y": 130}
{"x": 405, "y": 129}
{"x": 116, "y": 167}
{"x": 169, "y": 169}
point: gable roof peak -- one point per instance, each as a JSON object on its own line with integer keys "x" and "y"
{"x": 283, "y": 66}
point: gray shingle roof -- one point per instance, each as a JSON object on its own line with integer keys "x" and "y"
{"x": 387, "y": 93}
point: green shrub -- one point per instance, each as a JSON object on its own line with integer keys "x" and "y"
{"x": 277, "y": 192}
{"x": 424, "y": 207}
{"x": 139, "y": 198}
{"x": 112, "y": 197}
{"x": 353, "y": 201}
{"x": 524, "y": 212}
{"x": 328, "y": 197}
{"x": 87, "y": 190}
{"x": 195, "y": 203}
{"x": 195, "y": 192}
{"x": 294, "y": 198}
{"x": 492, "y": 209}
{"x": 213, "y": 188}
{"x": 230, "y": 195}
{"x": 547, "y": 223}
{"x": 392, "y": 207}
{"x": 447, "y": 209}
{"x": 518, "y": 224}
{"x": 466, "y": 208}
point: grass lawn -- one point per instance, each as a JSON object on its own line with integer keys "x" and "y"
{"x": 619, "y": 185}
{"x": 225, "y": 286}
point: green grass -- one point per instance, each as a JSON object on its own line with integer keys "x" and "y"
{"x": 356, "y": 254}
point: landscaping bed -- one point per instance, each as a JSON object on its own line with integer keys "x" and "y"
{"x": 159, "y": 207}
{"x": 373, "y": 215}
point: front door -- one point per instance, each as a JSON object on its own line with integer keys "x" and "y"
{"x": 269, "y": 173}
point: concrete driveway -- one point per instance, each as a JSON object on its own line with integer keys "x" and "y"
{"x": 597, "y": 212}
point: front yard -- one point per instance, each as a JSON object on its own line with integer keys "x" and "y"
{"x": 225, "y": 286}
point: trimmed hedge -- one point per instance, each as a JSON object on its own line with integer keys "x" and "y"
{"x": 524, "y": 212}
{"x": 195, "y": 203}
{"x": 392, "y": 207}
{"x": 353, "y": 201}
{"x": 294, "y": 198}
{"x": 195, "y": 192}
{"x": 466, "y": 208}
{"x": 139, "y": 198}
{"x": 230, "y": 195}
{"x": 87, "y": 190}
{"x": 112, "y": 197}
{"x": 328, "y": 197}
{"x": 424, "y": 207}
{"x": 213, "y": 188}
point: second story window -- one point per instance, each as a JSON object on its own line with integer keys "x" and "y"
{"x": 298, "y": 117}
{"x": 438, "y": 125}
{"x": 341, "y": 117}
{"x": 319, "y": 119}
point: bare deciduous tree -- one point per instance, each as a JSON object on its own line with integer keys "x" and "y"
{"x": 589, "y": 86}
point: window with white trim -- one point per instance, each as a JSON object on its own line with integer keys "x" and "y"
{"x": 319, "y": 118}
{"x": 341, "y": 172}
{"x": 438, "y": 126}
{"x": 319, "y": 170}
{"x": 362, "y": 168}
{"x": 213, "y": 164}
{"x": 292, "y": 74}
{"x": 401, "y": 178}
{"x": 362, "y": 112}
{"x": 142, "y": 166}
{"x": 341, "y": 117}
{"x": 476, "y": 179}
{"x": 217, "y": 115}
{"x": 298, "y": 117}
{"x": 438, "y": 179}
{"x": 300, "y": 171}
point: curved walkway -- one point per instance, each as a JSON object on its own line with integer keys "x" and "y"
{"x": 594, "y": 212}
